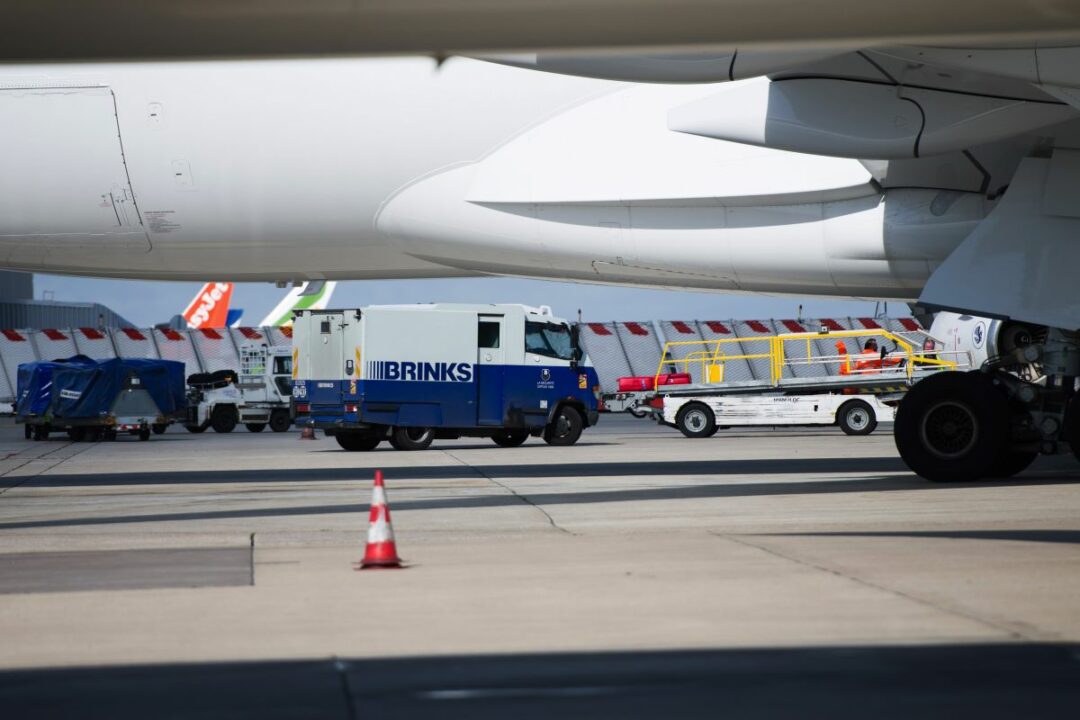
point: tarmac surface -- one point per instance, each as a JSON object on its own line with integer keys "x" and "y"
{"x": 760, "y": 573}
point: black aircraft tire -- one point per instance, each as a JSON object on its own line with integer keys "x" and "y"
{"x": 856, "y": 417}
{"x": 279, "y": 420}
{"x": 159, "y": 428}
{"x": 1072, "y": 426}
{"x": 696, "y": 420}
{"x": 223, "y": 419}
{"x": 1011, "y": 463}
{"x": 510, "y": 438}
{"x": 412, "y": 438}
{"x": 197, "y": 428}
{"x": 357, "y": 442}
{"x": 255, "y": 427}
{"x": 951, "y": 427}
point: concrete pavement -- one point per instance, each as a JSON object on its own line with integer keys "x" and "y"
{"x": 636, "y": 542}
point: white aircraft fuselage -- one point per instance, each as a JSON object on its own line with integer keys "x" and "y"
{"x": 292, "y": 170}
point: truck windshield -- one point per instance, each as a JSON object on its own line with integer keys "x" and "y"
{"x": 549, "y": 339}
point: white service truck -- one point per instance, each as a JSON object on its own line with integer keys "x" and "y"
{"x": 698, "y": 416}
{"x": 413, "y": 373}
{"x": 258, "y": 396}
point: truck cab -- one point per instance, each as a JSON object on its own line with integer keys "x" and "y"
{"x": 258, "y": 396}
{"x": 413, "y": 373}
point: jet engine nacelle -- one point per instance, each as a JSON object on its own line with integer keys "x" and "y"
{"x": 858, "y": 119}
{"x": 981, "y": 338}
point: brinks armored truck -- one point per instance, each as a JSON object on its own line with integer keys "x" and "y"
{"x": 414, "y": 373}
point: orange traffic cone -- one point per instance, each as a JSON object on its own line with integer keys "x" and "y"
{"x": 308, "y": 433}
{"x": 381, "y": 550}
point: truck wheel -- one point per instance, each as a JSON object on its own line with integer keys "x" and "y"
{"x": 159, "y": 428}
{"x": 411, "y": 438}
{"x": 696, "y": 420}
{"x": 565, "y": 427}
{"x": 28, "y": 432}
{"x": 951, "y": 427}
{"x": 223, "y": 419}
{"x": 357, "y": 442}
{"x": 76, "y": 434}
{"x": 279, "y": 420}
{"x": 255, "y": 427}
{"x": 856, "y": 417}
{"x": 197, "y": 428}
{"x": 510, "y": 438}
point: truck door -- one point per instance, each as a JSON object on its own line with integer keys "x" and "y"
{"x": 490, "y": 366}
{"x": 327, "y": 357}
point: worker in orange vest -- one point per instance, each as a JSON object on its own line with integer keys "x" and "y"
{"x": 874, "y": 360}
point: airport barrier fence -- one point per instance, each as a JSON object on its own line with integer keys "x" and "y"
{"x": 617, "y": 349}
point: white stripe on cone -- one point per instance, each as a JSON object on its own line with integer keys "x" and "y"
{"x": 378, "y": 497}
{"x": 380, "y": 530}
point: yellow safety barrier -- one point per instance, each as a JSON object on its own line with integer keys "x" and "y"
{"x": 714, "y": 355}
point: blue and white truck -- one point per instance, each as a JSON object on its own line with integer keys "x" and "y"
{"x": 413, "y": 373}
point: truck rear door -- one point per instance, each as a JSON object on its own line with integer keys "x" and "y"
{"x": 490, "y": 367}
{"x": 327, "y": 358}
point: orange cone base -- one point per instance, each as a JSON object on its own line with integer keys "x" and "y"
{"x": 384, "y": 565}
{"x": 380, "y": 555}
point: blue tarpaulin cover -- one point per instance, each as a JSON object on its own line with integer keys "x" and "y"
{"x": 83, "y": 388}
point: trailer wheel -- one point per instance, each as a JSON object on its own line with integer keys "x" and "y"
{"x": 696, "y": 420}
{"x": 856, "y": 417}
{"x": 255, "y": 427}
{"x": 159, "y": 428}
{"x": 357, "y": 442}
{"x": 565, "y": 428}
{"x": 223, "y": 419}
{"x": 197, "y": 428}
{"x": 510, "y": 438}
{"x": 638, "y": 412}
{"x": 411, "y": 438}
{"x": 41, "y": 433}
{"x": 144, "y": 433}
{"x": 28, "y": 431}
{"x": 279, "y": 420}
{"x": 77, "y": 434}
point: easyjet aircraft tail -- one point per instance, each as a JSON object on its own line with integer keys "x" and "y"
{"x": 309, "y": 296}
{"x": 210, "y": 308}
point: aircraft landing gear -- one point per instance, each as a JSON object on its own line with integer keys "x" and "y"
{"x": 994, "y": 422}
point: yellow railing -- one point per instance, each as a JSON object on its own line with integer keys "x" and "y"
{"x": 903, "y": 358}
